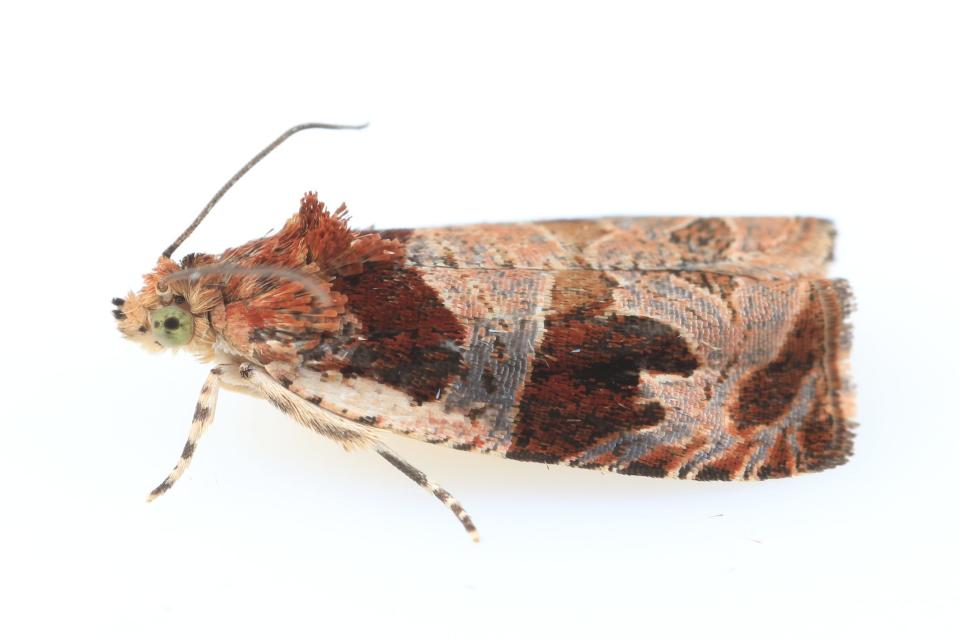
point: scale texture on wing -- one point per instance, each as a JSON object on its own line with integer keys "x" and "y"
{"x": 764, "y": 247}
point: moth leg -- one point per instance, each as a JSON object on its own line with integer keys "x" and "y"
{"x": 421, "y": 479}
{"x": 346, "y": 432}
{"x": 202, "y": 417}
{"x": 349, "y": 434}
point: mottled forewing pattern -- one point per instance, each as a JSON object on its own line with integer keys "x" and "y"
{"x": 706, "y": 348}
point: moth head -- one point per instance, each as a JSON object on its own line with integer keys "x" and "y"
{"x": 170, "y": 315}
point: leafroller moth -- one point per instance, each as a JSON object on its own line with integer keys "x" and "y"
{"x": 700, "y": 348}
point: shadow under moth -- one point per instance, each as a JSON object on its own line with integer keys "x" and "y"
{"x": 681, "y": 347}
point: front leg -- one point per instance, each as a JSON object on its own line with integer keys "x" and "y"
{"x": 202, "y": 417}
{"x": 318, "y": 418}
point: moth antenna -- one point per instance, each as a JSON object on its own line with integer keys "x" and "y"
{"x": 239, "y": 174}
{"x": 303, "y": 280}
{"x": 439, "y": 492}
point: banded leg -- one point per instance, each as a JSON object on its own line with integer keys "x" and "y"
{"x": 346, "y": 432}
{"x": 202, "y": 417}
{"x": 338, "y": 428}
{"x": 421, "y": 479}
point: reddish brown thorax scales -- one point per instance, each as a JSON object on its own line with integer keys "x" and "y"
{"x": 383, "y": 323}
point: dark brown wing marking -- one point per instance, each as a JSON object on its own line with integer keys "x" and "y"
{"x": 584, "y": 383}
{"x": 703, "y": 240}
{"x": 413, "y": 342}
{"x": 808, "y": 357}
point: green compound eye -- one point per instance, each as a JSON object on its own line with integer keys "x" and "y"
{"x": 172, "y": 326}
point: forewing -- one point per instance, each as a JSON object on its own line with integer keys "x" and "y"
{"x": 763, "y": 247}
{"x": 683, "y": 374}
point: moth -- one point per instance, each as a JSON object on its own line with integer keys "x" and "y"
{"x": 681, "y": 347}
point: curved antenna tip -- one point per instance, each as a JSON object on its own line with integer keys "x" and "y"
{"x": 239, "y": 174}
{"x": 324, "y": 125}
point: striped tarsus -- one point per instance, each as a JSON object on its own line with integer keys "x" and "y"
{"x": 439, "y": 492}
{"x": 202, "y": 417}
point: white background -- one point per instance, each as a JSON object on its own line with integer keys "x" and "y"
{"x": 120, "y": 120}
